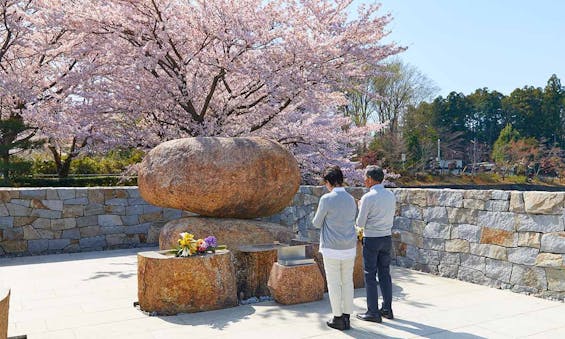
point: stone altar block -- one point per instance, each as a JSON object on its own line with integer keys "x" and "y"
{"x": 4, "y": 307}
{"x": 296, "y": 284}
{"x": 169, "y": 285}
{"x": 253, "y": 265}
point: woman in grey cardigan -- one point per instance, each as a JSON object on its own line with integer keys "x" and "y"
{"x": 336, "y": 218}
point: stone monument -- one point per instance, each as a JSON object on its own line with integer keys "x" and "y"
{"x": 225, "y": 181}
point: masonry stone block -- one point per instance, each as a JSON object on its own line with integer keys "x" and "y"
{"x": 500, "y": 195}
{"x": 471, "y": 233}
{"x": 528, "y": 276}
{"x": 529, "y": 239}
{"x": 87, "y": 221}
{"x": 437, "y": 230}
{"x": 473, "y": 261}
{"x": 462, "y": 215}
{"x": 401, "y": 223}
{"x": 17, "y": 210}
{"x": 457, "y": 245}
{"x": 490, "y": 251}
{"x": 553, "y": 242}
{"x": 499, "y": 220}
{"x": 38, "y": 246}
{"x": 523, "y": 255}
{"x": 77, "y": 201}
{"x": 448, "y": 271}
{"x": 437, "y": 214}
{"x": 516, "y": 202}
{"x": 90, "y": 231}
{"x": 447, "y": 258}
{"x": 32, "y": 193}
{"x": 555, "y": 279}
{"x": 498, "y": 269}
{"x": 4, "y": 210}
{"x": 58, "y": 244}
{"x": 93, "y": 242}
{"x": 63, "y": 224}
{"x": 471, "y": 275}
{"x": 550, "y": 260}
{"x": 539, "y": 223}
{"x": 109, "y": 220}
{"x": 544, "y": 202}
{"x": 477, "y": 194}
{"x": 411, "y": 211}
{"x": 48, "y": 214}
{"x": 495, "y": 236}
{"x": 497, "y": 205}
{"x": 475, "y": 204}
{"x": 433, "y": 244}
{"x": 73, "y": 233}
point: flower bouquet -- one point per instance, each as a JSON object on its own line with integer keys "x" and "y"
{"x": 189, "y": 246}
{"x": 359, "y": 233}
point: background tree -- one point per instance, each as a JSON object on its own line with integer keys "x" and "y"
{"x": 385, "y": 99}
{"x": 44, "y": 66}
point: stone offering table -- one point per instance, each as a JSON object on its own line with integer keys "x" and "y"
{"x": 4, "y": 307}
{"x": 169, "y": 285}
{"x": 296, "y": 284}
{"x": 253, "y": 265}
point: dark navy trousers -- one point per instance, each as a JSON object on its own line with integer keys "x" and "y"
{"x": 376, "y": 262}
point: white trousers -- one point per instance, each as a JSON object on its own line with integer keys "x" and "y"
{"x": 339, "y": 274}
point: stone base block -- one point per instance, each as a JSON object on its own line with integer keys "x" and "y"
{"x": 296, "y": 284}
{"x": 252, "y": 270}
{"x": 4, "y": 308}
{"x": 168, "y": 285}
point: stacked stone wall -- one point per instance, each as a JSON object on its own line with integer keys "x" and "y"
{"x": 55, "y": 220}
{"x": 505, "y": 239}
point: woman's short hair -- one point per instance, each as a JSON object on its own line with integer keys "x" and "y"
{"x": 375, "y": 172}
{"x": 333, "y": 176}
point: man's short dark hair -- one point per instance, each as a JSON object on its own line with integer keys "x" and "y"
{"x": 375, "y": 172}
{"x": 333, "y": 175}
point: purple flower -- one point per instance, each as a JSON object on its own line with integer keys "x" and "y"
{"x": 211, "y": 241}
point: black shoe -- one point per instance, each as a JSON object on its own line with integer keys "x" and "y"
{"x": 376, "y": 318}
{"x": 337, "y": 322}
{"x": 346, "y": 321}
{"x": 386, "y": 313}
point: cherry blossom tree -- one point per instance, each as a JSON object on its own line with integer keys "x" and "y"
{"x": 46, "y": 72}
{"x": 276, "y": 69}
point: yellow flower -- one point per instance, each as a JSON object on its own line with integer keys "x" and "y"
{"x": 185, "y": 239}
{"x": 359, "y": 233}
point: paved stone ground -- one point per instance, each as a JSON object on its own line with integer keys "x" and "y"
{"x": 91, "y": 295}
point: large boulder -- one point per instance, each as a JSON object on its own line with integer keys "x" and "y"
{"x": 230, "y": 232}
{"x": 220, "y": 177}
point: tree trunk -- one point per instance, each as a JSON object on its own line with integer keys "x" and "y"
{"x": 6, "y": 168}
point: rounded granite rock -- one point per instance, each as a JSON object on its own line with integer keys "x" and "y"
{"x": 220, "y": 177}
{"x": 230, "y": 232}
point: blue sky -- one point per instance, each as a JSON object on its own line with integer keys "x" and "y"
{"x": 463, "y": 45}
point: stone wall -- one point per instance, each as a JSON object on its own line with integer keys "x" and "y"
{"x": 513, "y": 240}
{"x": 54, "y": 220}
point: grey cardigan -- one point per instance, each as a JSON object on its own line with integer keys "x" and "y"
{"x": 336, "y": 217}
